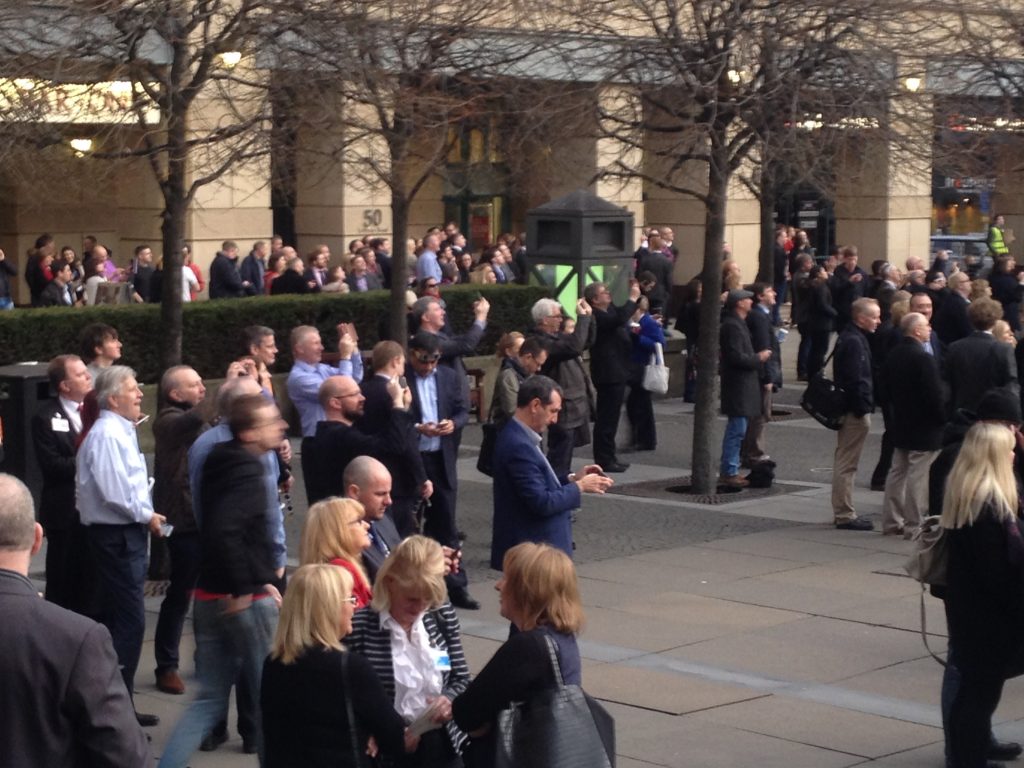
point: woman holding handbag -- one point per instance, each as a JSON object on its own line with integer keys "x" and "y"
{"x": 646, "y": 334}
{"x": 540, "y": 596}
{"x": 320, "y": 705}
{"x": 985, "y": 585}
{"x": 410, "y": 635}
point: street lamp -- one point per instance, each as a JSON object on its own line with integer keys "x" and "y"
{"x": 230, "y": 59}
{"x": 81, "y": 146}
{"x": 913, "y": 84}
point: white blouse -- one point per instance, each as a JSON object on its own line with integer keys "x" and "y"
{"x": 417, "y": 674}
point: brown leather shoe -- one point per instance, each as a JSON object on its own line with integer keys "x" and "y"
{"x": 169, "y": 681}
{"x": 733, "y": 481}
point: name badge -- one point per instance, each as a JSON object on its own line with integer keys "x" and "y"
{"x": 57, "y": 424}
{"x": 442, "y": 661}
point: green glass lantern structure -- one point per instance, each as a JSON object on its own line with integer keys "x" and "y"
{"x": 579, "y": 239}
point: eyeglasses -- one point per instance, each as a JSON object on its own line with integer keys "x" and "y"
{"x": 351, "y": 600}
{"x": 425, "y": 357}
{"x": 357, "y": 393}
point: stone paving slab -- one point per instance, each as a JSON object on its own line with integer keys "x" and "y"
{"x": 654, "y": 690}
{"x": 823, "y": 726}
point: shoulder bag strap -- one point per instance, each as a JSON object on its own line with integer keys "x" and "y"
{"x": 553, "y": 655}
{"x": 353, "y": 732}
{"x": 924, "y": 630}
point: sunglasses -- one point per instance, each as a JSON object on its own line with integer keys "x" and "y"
{"x": 426, "y": 357}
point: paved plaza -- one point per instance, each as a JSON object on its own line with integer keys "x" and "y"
{"x": 747, "y": 633}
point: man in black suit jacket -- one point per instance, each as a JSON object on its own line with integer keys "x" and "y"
{"x": 440, "y": 412}
{"x": 291, "y": 280}
{"x": 429, "y": 315}
{"x": 916, "y": 421}
{"x": 57, "y": 293}
{"x": 55, "y": 430}
{"x": 848, "y": 283}
{"x": 922, "y": 304}
{"x": 338, "y": 439}
{"x": 63, "y": 697}
{"x": 610, "y": 367}
{"x": 978, "y": 363}
{"x": 763, "y": 336}
{"x": 225, "y": 281}
{"x": 951, "y": 320}
{"x": 369, "y": 482}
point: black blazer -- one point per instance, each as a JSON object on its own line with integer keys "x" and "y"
{"x": 225, "y": 282}
{"x": 450, "y": 405}
{"x": 976, "y": 364}
{"x": 236, "y": 554}
{"x": 63, "y": 697}
{"x": 53, "y": 295}
{"x": 406, "y": 465}
{"x": 763, "y": 336}
{"x": 951, "y": 321}
{"x": 914, "y": 393}
{"x": 288, "y": 281}
{"x": 741, "y": 386}
{"x": 851, "y": 366}
{"x": 373, "y": 556}
{"x": 55, "y": 452}
{"x": 610, "y": 354}
{"x": 372, "y": 641}
{"x": 819, "y": 312}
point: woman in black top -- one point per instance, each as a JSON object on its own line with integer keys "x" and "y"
{"x": 818, "y": 319}
{"x": 540, "y": 596}
{"x": 310, "y": 684}
{"x": 985, "y": 590}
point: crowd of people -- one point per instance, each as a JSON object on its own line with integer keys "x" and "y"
{"x": 66, "y": 277}
{"x": 381, "y": 564}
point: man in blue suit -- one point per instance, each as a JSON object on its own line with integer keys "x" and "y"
{"x": 531, "y": 503}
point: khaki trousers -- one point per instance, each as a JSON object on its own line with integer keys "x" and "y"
{"x": 849, "y": 443}
{"x": 906, "y": 491}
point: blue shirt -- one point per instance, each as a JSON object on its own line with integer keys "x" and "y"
{"x": 427, "y": 266}
{"x": 111, "y": 481}
{"x": 275, "y": 517}
{"x": 304, "y": 382}
{"x": 426, "y": 390}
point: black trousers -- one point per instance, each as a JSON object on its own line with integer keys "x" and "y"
{"x": 640, "y": 411}
{"x": 606, "y": 424}
{"x": 561, "y": 442}
{"x": 403, "y": 514}
{"x": 439, "y": 518}
{"x": 183, "y": 549}
{"x": 70, "y": 574}
{"x": 819, "y": 348}
{"x": 970, "y": 718}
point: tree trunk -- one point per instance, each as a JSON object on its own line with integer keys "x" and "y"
{"x": 173, "y": 231}
{"x": 706, "y": 410}
{"x": 399, "y": 266}
{"x": 766, "y": 254}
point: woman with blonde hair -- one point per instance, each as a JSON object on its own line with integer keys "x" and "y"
{"x": 539, "y": 594}
{"x": 1001, "y": 331}
{"x": 337, "y": 533}
{"x": 410, "y": 634}
{"x": 311, "y": 687}
{"x": 985, "y": 589}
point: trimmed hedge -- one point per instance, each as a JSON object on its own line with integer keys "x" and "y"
{"x": 212, "y": 329}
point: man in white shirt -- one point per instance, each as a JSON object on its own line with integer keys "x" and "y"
{"x": 112, "y": 489}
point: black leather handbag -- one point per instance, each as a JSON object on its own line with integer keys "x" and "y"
{"x": 824, "y": 400}
{"x": 485, "y": 460}
{"x": 561, "y": 727}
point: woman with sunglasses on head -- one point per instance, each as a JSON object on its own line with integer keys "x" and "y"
{"x": 312, "y": 690}
{"x": 337, "y": 533}
{"x": 410, "y": 634}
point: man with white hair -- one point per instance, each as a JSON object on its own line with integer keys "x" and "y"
{"x": 112, "y": 489}
{"x": 63, "y": 699}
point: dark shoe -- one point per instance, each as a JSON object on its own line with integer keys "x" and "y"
{"x": 878, "y": 486}
{"x": 615, "y": 466}
{"x": 462, "y": 599}
{"x": 213, "y": 740}
{"x": 733, "y": 481}
{"x": 147, "y": 721}
{"x": 1004, "y": 750}
{"x": 249, "y": 747}
{"x": 857, "y": 524}
{"x": 169, "y": 681}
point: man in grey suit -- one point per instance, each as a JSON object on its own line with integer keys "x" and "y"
{"x": 64, "y": 699}
{"x": 369, "y": 482}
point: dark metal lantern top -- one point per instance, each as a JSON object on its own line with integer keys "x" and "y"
{"x": 579, "y": 228}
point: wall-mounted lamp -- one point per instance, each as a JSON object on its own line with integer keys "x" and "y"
{"x": 913, "y": 84}
{"x": 81, "y": 146}
{"x": 230, "y": 59}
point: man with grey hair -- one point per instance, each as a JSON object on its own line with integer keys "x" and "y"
{"x": 63, "y": 698}
{"x": 911, "y": 379}
{"x": 308, "y": 372}
{"x": 429, "y": 314}
{"x": 565, "y": 366}
{"x": 112, "y": 489}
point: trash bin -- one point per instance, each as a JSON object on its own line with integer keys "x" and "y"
{"x": 24, "y": 387}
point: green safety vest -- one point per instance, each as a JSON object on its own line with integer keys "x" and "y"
{"x": 995, "y": 241}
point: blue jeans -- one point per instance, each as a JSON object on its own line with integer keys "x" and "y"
{"x": 735, "y": 430}
{"x": 6, "y": 303}
{"x": 226, "y": 646}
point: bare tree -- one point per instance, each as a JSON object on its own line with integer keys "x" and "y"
{"x": 194, "y": 113}
{"x": 714, "y": 86}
